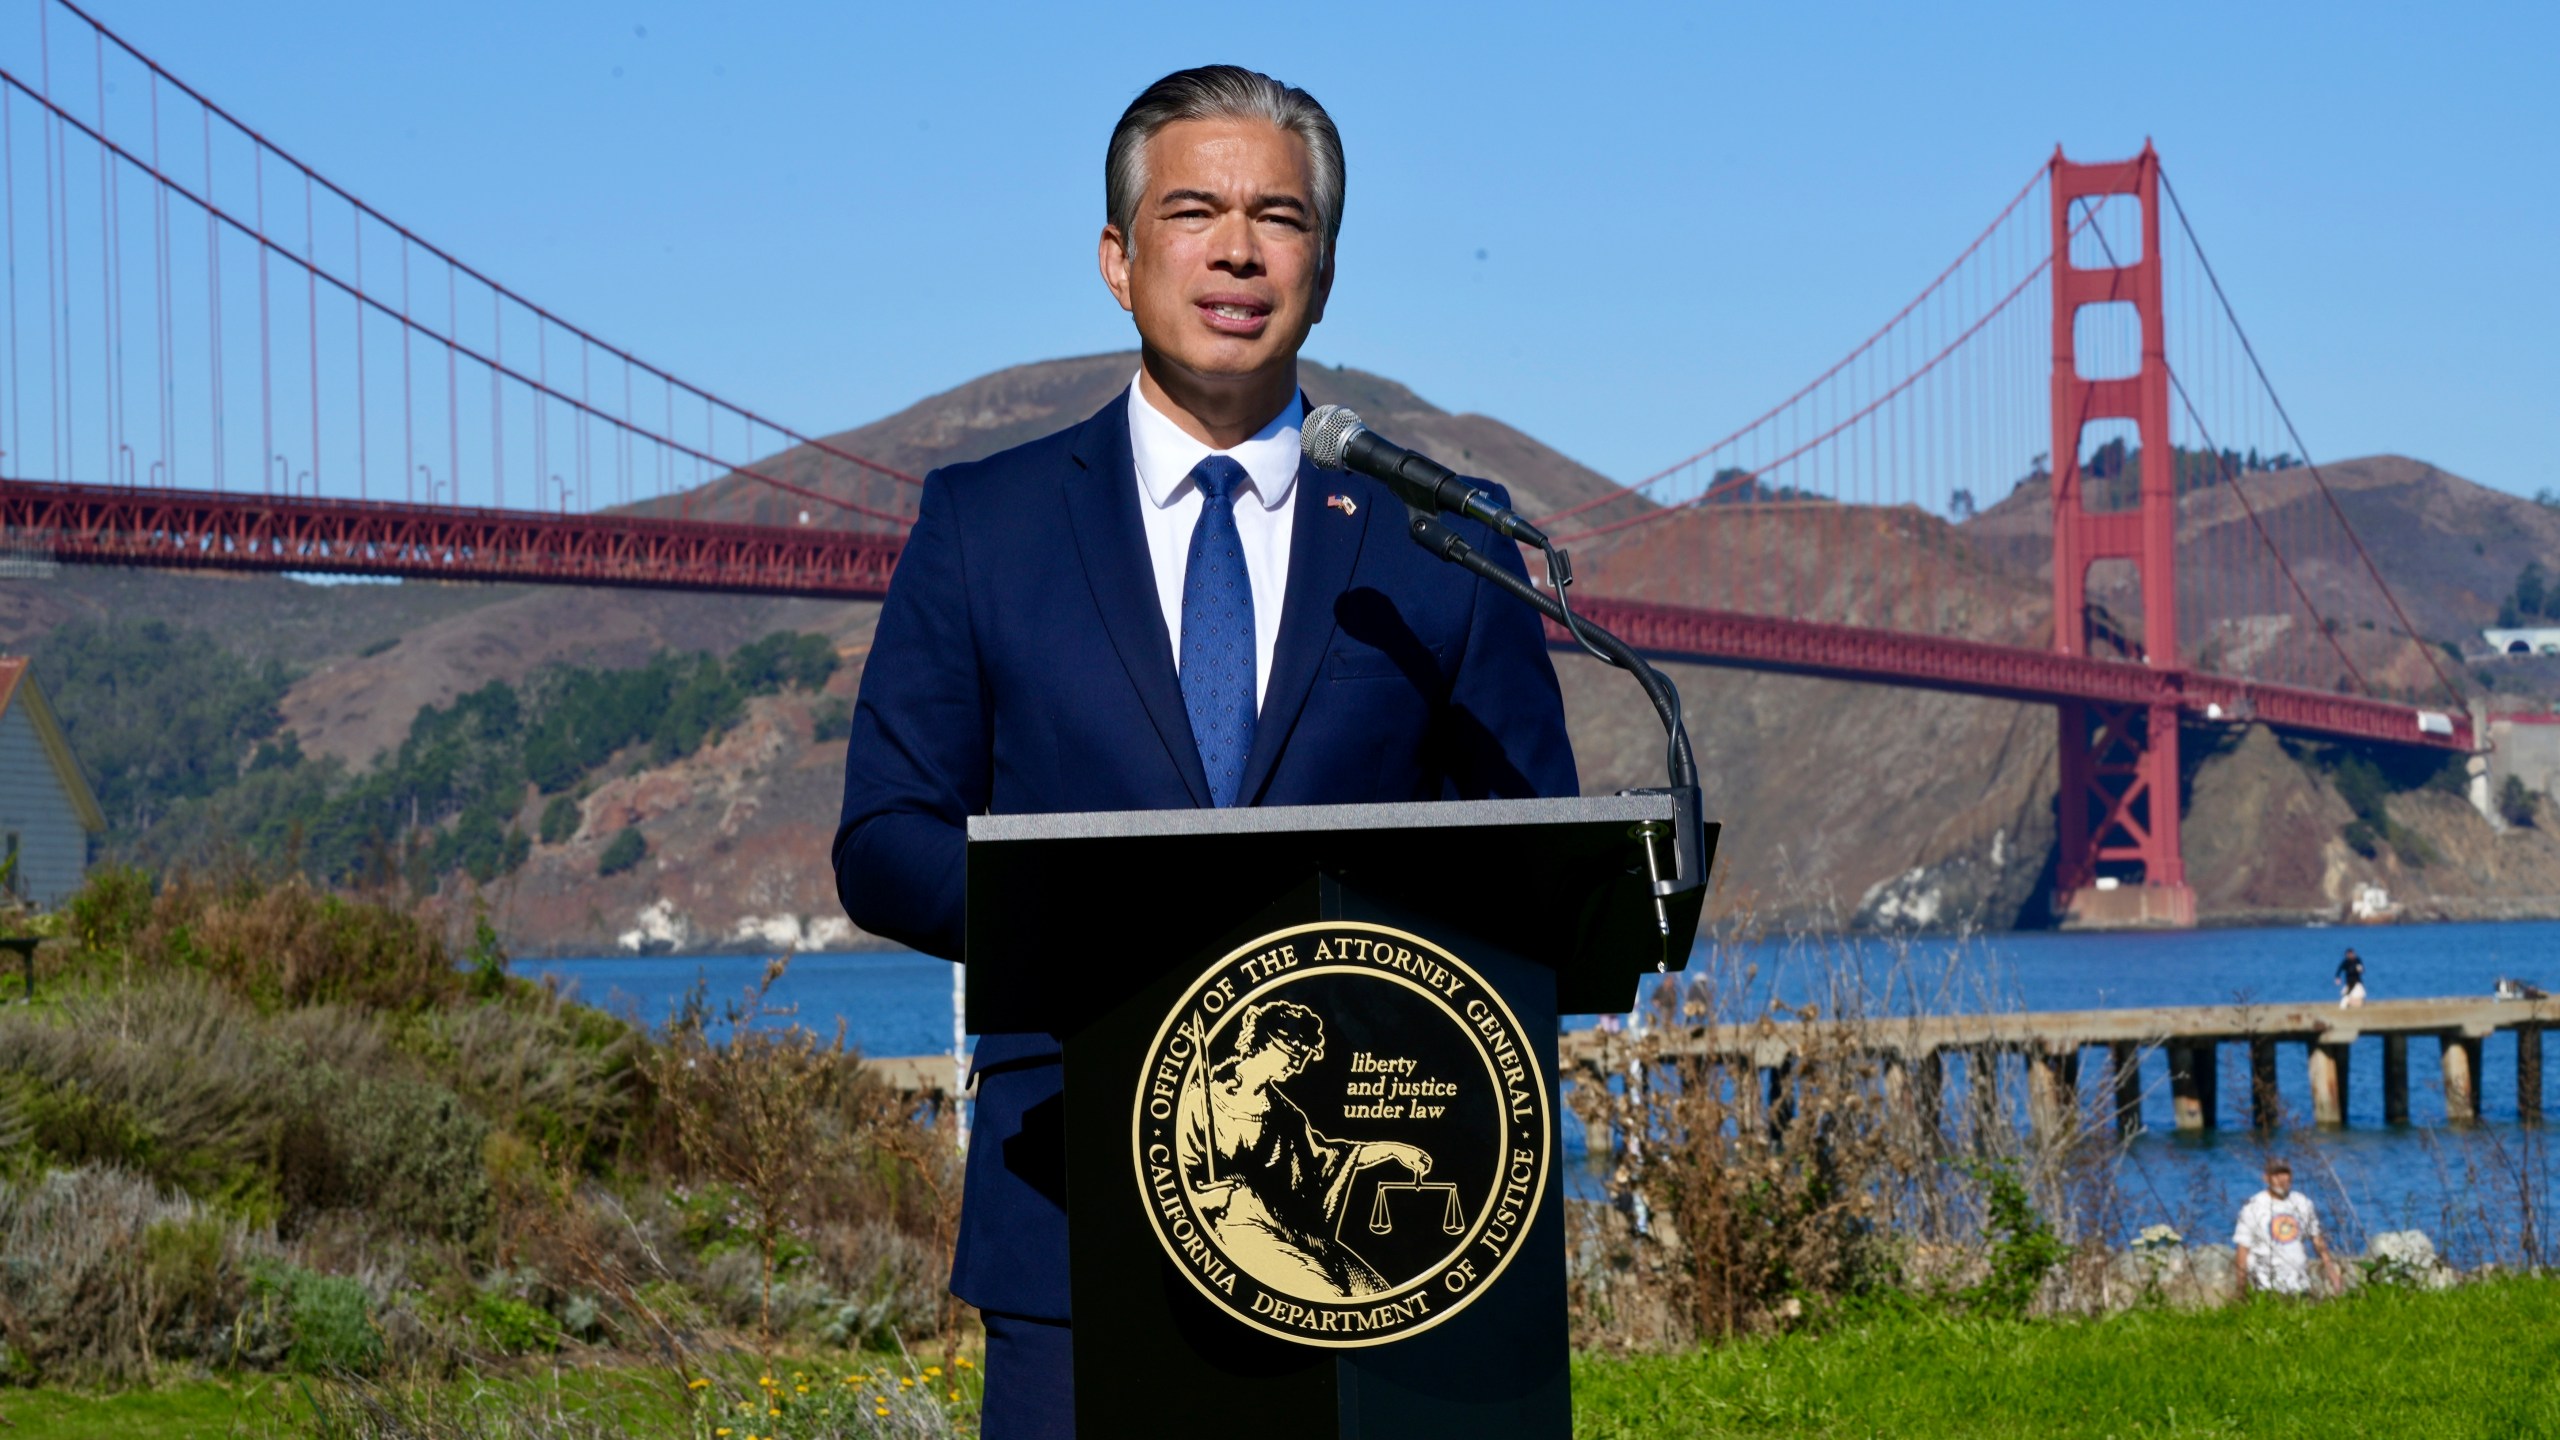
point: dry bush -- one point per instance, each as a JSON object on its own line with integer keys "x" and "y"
{"x": 1775, "y": 1154}
{"x": 563, "y": 1078}
{"x": 289, "y": 944}
{"x": 182, "y": 1084}
{"x": 810, "y": 1156}
{"x": 108, "y": 1276}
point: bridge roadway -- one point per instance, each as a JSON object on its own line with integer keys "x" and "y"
{"x": 194, "y": 529}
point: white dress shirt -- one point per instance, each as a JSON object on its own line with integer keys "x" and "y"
{"x": 1169, "y": 506}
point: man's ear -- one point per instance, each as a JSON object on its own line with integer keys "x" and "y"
{"x": 1113, "y": 254}
{"x": 1324, "y": 289}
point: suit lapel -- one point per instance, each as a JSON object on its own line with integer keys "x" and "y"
{"x": 1102, "y": 510}
{"x": 1324, "y": 544}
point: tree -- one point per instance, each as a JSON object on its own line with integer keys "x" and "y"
{"x": 2518, "y": 805}
{"x": 765, "y": 1111}
{"x": 2533, "y": 590}
{"x": 622, "y": 852}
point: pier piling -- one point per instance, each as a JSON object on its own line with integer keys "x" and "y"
{"x": 2053, "y": 1088}
{"x": 2529, "y": 1074}
{"x": 2193, "y": 1083}
{"x": 2461, "y": 1077}
{"x": 2328, "y": 1067}
{"x": 2266, "y": 1102}
{"x": 2124, "y": 1058}
{"x": 2395, "y": 1079}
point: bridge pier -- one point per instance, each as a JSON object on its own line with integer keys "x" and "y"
{"x": 2328, "y": 1068}
{"x": 2461, "y": 1058}
{"x": 2395, "y": 1079}
{"x": 2124, "y": 1058}
{"x": 2193, "y": 1083}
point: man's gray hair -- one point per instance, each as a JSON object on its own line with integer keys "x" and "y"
{"x": 1223, "y": 92}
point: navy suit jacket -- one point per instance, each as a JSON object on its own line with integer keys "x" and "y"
{"x": 1021, "y": 665}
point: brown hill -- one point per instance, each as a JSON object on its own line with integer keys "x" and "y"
{"x": 2451, "y": 548}
{"x": 996, "y": 412}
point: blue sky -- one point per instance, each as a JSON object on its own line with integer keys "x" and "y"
{"x": 830, "y": 211}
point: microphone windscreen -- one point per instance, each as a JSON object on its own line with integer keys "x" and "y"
{"x": 1327, "y": 434}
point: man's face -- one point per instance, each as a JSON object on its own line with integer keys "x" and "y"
{"x": 2280, "y": 1183}
{"x": 1221, "y": 269}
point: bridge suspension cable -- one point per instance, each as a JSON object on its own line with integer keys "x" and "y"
{"x": 328, "y": 419}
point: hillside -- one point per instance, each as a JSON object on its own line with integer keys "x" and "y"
{"x": 999, "y": 411}
{"x": 1842, "y": 803}
{"x": 2451, "y": 548}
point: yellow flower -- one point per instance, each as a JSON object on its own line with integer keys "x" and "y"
{"x": 721, "y": 1430}
{"x": 771, "y": 1411}
{"x": 932, "y": 1371}
{"x": 962, "y": 1362}
{"x": 698, "y": 1383}
{"x": 765, "y": 1380}
{"x": 906, "y": 1382}
{"x": 955, "y": 1394}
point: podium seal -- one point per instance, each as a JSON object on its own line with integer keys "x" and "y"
{"x": 1341, "y": 1134}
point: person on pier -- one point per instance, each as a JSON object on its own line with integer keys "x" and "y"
{"x": 2350, "y": 979}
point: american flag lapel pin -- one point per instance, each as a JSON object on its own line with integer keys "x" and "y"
{"x": 1343, "y": 503}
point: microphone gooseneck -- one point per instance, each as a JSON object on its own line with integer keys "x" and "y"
{"x": 1333, "y": 438}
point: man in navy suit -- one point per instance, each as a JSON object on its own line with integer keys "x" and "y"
{"x": 1161, "y": 608}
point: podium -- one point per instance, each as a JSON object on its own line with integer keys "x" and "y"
{"x": 1314, "y": 1171}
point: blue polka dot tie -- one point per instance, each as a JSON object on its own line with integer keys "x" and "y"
{"x": 1217, "y": 632}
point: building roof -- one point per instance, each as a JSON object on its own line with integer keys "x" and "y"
{"x": 18, "y": 687}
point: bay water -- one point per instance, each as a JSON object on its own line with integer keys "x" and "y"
{"x": 2468, "y": 1186}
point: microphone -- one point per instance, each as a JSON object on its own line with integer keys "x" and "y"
{"x": 1334, "y": 439}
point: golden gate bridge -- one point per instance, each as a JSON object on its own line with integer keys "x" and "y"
{"x": 2058, "y": 475}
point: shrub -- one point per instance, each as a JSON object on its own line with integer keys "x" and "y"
{"x": 110, "y": 907}
{"x": 831, "y": 719}
{"x": 329, "y": 1317}
{"x": 560, "y": 820}
{"x": 624, "y": 851}
{"x": 2518, "y": 805}
{"x": 2024, "y": 1249}
{"x": 175, "y": 1083}
{"x": 107, "y": 1277}
{"x": 291, "y": 944}
{"x": 782, "y": 660}
{"x": 514, "y": 1327}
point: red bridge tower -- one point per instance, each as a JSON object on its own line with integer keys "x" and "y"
{"x": 2120, "y": 861}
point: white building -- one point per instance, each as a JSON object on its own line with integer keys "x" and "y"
{"x": 47, "y": 813}
{"x": 2541, "y": 640}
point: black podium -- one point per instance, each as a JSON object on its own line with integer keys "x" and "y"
{"x": 1313, "y": 1167}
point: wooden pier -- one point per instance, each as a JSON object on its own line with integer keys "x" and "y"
{"x": 2052, "y": 1044}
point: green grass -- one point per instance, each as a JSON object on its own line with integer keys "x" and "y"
{"x": 2482, "y": 1360}
{"x": 196, "y": 1410}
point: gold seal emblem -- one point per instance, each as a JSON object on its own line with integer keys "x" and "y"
{"x": 1341, "y": 1134}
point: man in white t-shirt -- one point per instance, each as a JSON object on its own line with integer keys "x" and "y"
{"x": 2276, "y": 1231}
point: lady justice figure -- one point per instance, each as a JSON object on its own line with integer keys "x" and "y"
{"x": 1271, "y": 1187}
